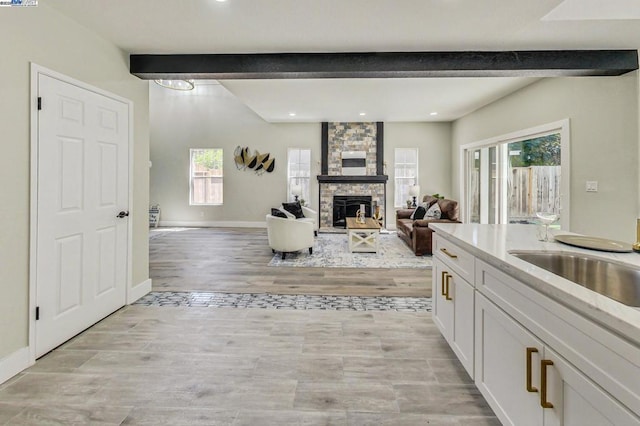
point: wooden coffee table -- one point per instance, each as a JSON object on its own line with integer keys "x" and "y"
{"x": 363, "y": 237}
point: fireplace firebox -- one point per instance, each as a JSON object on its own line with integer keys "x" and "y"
{"x": 345, "y": 206}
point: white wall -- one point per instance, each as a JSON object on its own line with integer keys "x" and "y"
{"x": 433, "y": 141}
{"x": 603, "y": 114}
{"x": 42, "y": 35}
{"x": 210, "y": 116}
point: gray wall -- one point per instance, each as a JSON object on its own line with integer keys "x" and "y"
{"x": 433, "y": 141}
{"x": 43, "y": 36}
{"x": 210, "y": 116}
{"x": 603, "y": 114}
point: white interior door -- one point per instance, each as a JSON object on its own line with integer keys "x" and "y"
{"x": 83, "y": 180}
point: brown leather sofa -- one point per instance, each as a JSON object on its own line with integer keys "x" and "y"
{"x": 417, "y": 233}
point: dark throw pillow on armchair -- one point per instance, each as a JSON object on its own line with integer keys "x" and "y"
{"x": 294, "y": 208}
{"x": 277, "y": 213}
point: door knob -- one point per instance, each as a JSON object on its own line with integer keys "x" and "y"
{"x": 122, "y": 214}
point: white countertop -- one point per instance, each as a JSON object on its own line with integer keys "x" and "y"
{"x": 492, "y": 244}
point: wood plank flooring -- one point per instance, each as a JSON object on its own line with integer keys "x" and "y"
{"x": 235, "y": 260}
{"x": 148, "y": 365}
{"x": 249, "y": 367}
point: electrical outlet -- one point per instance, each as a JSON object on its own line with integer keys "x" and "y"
{"x": 592, "y": 186}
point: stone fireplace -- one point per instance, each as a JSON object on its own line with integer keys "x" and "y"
{"x": 345, "y": 145}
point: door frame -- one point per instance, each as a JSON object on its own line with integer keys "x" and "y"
{"x": 561, "y": 126}
{"x": 36, "y": 70}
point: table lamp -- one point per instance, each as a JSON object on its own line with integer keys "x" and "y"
{"x": 296, "y": 191}
{"x": 414, "y": 191}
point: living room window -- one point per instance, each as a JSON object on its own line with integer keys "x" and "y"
{"x": 406, "y": 174}
{"x": 205, "y": 176}
{"x": 299, "y": 174}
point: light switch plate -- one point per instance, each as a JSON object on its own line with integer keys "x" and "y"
{"x": 592, "y": 186}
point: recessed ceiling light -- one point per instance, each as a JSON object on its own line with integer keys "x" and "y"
{"x": 292, "y": 114}
{"x": 434, "y": 113}
{"x": 363, "y": 113}
{"x": 221, "y": 1}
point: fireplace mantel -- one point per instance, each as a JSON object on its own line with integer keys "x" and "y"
{"x": 353, "y": 179}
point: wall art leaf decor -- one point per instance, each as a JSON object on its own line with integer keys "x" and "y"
{"x": 257, "y": 162}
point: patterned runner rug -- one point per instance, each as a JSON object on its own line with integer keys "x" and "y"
{"x": 285, "y": 301}
{"x": 332, "y": 251}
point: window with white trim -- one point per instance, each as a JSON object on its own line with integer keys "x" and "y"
{"x": 406, "y": 174}
{"x": 299, "y": 174}
{"x": 205, "y": 176}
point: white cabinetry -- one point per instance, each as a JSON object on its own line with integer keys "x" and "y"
{"x": 525, "y": 379}
{"x": 453, "y": 301}
{"x": 505, "y": 358}
{"x": 574, "y": 400}
{"x": 536, "y": 361}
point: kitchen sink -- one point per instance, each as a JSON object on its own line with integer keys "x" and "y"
{"x": 615, "y": 280}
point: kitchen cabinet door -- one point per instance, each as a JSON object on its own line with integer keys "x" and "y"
{"x": 442, "y": 311}
{"x": 507, "y": 364}
{"x": 453, "y": 299}
{"x": 574, "y": 400}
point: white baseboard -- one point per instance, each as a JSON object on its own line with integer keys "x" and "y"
{"x": 213, "y": 224}
{"x": 139, "y": 290}
{"x": 14, "y": 363}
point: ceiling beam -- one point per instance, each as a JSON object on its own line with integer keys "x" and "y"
{"x": 533, "y": 63}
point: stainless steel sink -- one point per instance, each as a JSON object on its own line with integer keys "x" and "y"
{"x": 615, "y": 280}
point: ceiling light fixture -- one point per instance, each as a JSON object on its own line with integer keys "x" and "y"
{"x": 177, "y": 84}
{"x": 363, "y": 113}
{"x": 292, "y": 114}
{"x": 434, "y": 113}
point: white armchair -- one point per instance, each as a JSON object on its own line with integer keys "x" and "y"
{"x": 311, "y": 216}
{"x": 289, "y": 235}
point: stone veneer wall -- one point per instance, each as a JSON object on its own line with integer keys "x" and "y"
{"x": 328, "y": 190}
{"x": 351, "y": 137}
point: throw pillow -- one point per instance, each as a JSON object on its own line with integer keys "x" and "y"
{"x": 418, "y": 213}
{"x": 429, "y": 203}
{"x": 294, "y": 208}
{"x": 278, "y": 213}
{"x": 433, "y": 212}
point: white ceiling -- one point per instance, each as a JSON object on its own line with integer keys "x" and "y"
{"x": 380, "y": 99}
{"x": 251, "y": 26}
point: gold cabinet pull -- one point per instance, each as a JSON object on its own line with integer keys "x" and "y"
{"x": 543, "y": 383}
{"x": 446, "y": 295}
{"x": 451, "y": 255}
{"x": 442, "y": 283}
{"x": 530, "y": 388}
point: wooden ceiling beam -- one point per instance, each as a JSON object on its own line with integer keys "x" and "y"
{"x": 531, "y": 63}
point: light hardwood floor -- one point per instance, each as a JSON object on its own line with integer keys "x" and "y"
{"x": 232, "y": 260}
{"x": 147, "y": 365}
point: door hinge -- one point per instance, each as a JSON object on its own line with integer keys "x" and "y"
{"x": 39, "y": 103}
{"x": 37, "y": 313}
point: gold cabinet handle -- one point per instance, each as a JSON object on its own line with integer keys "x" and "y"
{"x": 442, "y": 283}
{"x": 543, "y": 383}
{"x": 451, "y": 255}
{"x": 446, "y": 295}
{"x": 530, "y": 388}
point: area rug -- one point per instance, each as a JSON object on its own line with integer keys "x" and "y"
{"x": 332, "y": 251}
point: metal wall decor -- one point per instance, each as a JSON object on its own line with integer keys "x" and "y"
{"x": 257, "y": 162}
